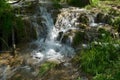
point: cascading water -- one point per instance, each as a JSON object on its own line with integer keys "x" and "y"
{"x": 49, "y": 48}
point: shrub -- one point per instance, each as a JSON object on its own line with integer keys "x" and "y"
{"x": 56, "y": 4}
{"x": 102, "y": 60}
{"x": 94, "y": 2}
{"x": 79, "y": 3}
{"x": 79, "y": 38}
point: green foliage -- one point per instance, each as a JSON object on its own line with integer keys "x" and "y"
{"x": 76, "y": 3}
{"x": 6, "y": 19}
{"x": 116, "y": 23}
{"x": 19, "y": 27}
{"x": 111, "y": 73}
{"x": 79, "y": 78}
{"x": 100, "y": 77}
{"x": 6, "y": 22}
{"x": 3, "y": 6}
{"x": 113, "y": 12}
{"x": 98, "y": 57}
{"x": 83, "y": 18}
{"x": 104, "y": 35}
{"x": 79, "y": 3}
{"x": 102, "y": 60}
{"x": 5, "y": 15}
{"x": 94, "y": 2}
{"x": 9, "y": 21}
{"x": 79, "y": 38}
{"x": 46, "y": 67}
{"x": 56, "y": 4}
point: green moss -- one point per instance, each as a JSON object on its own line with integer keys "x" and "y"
{"x": 46, "y": 67}
{"x": 116, "y": 23}
{"x": 79, "y": 3}
{"x": 82, "y": 26}
{"x": 6, "y": 23}
{"x": 83, "y": 18}
{"x": 94, "y": 2}
{"x": 78, "y": 78}
{"x": 78, "y": 39}
{"x": 18, "y": 78}
{"x": 9, "y": 21}
{"x": 104, "y": 35}
{"x": 56, "y": 5}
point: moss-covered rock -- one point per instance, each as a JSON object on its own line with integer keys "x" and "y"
{"x": 45, "y": 67}
{"x": 30, "y": 31}
{"x": 83, "y": 18}
{"x": 65, "y": 38}
{"x": 100, "y": 17}
{"x": 79, "y": 3}
{"x": 83, "y": 26}
{"x": 78, "y": 38}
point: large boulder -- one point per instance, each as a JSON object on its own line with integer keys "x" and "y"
{"x": 103, "y": 18}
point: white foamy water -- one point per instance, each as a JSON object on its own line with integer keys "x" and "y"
{"x": 48, "y": 47}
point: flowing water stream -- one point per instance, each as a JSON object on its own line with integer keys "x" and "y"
{"x": 49, "y": 48}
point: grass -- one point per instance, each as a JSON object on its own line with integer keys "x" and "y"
{"x": 45, "y": 67}
{"x": 102, "y": 61}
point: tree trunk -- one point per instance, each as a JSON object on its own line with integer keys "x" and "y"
{"x": 13, "y": 42}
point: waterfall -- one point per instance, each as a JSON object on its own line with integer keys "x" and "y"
{"x": 92, "y": 21}
{"x": 49, "y": 48}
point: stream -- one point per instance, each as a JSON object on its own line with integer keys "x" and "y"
{"x": 49, "y": 48}
{"x": 49, "y": 45}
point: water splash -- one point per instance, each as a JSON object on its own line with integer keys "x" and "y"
{"x": 51, "y": 48}
{"x": 48, "y": 47}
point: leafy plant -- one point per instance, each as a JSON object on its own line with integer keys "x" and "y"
{"x": 79, "y": 38}
{"x": 4, "y": 6}
{"x": 99, "y": 57}
{"x": 94, "y": 2}
{"x": 56, "y": 4}
{"x": 101, "y": 60}
{"x": 79, "y": 3}
{"x": 79, "y": 78}
{"x": 9, "y": 21}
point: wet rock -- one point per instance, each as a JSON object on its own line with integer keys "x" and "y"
{"x": 78, "y": 38}
{"x": 83, "y": 26}
{"x": 60, "y": 36}
{"x": 23, "y": 74}
{"x": 68, "y": 37}
{"x": 100, "y": 17}
{"x": 103, "y": 18}
{"x": 30, "y": 31}
{"x": 83, "y": 18}
{"x": 68, "y": 17}
{"x": 63, "y": 71}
